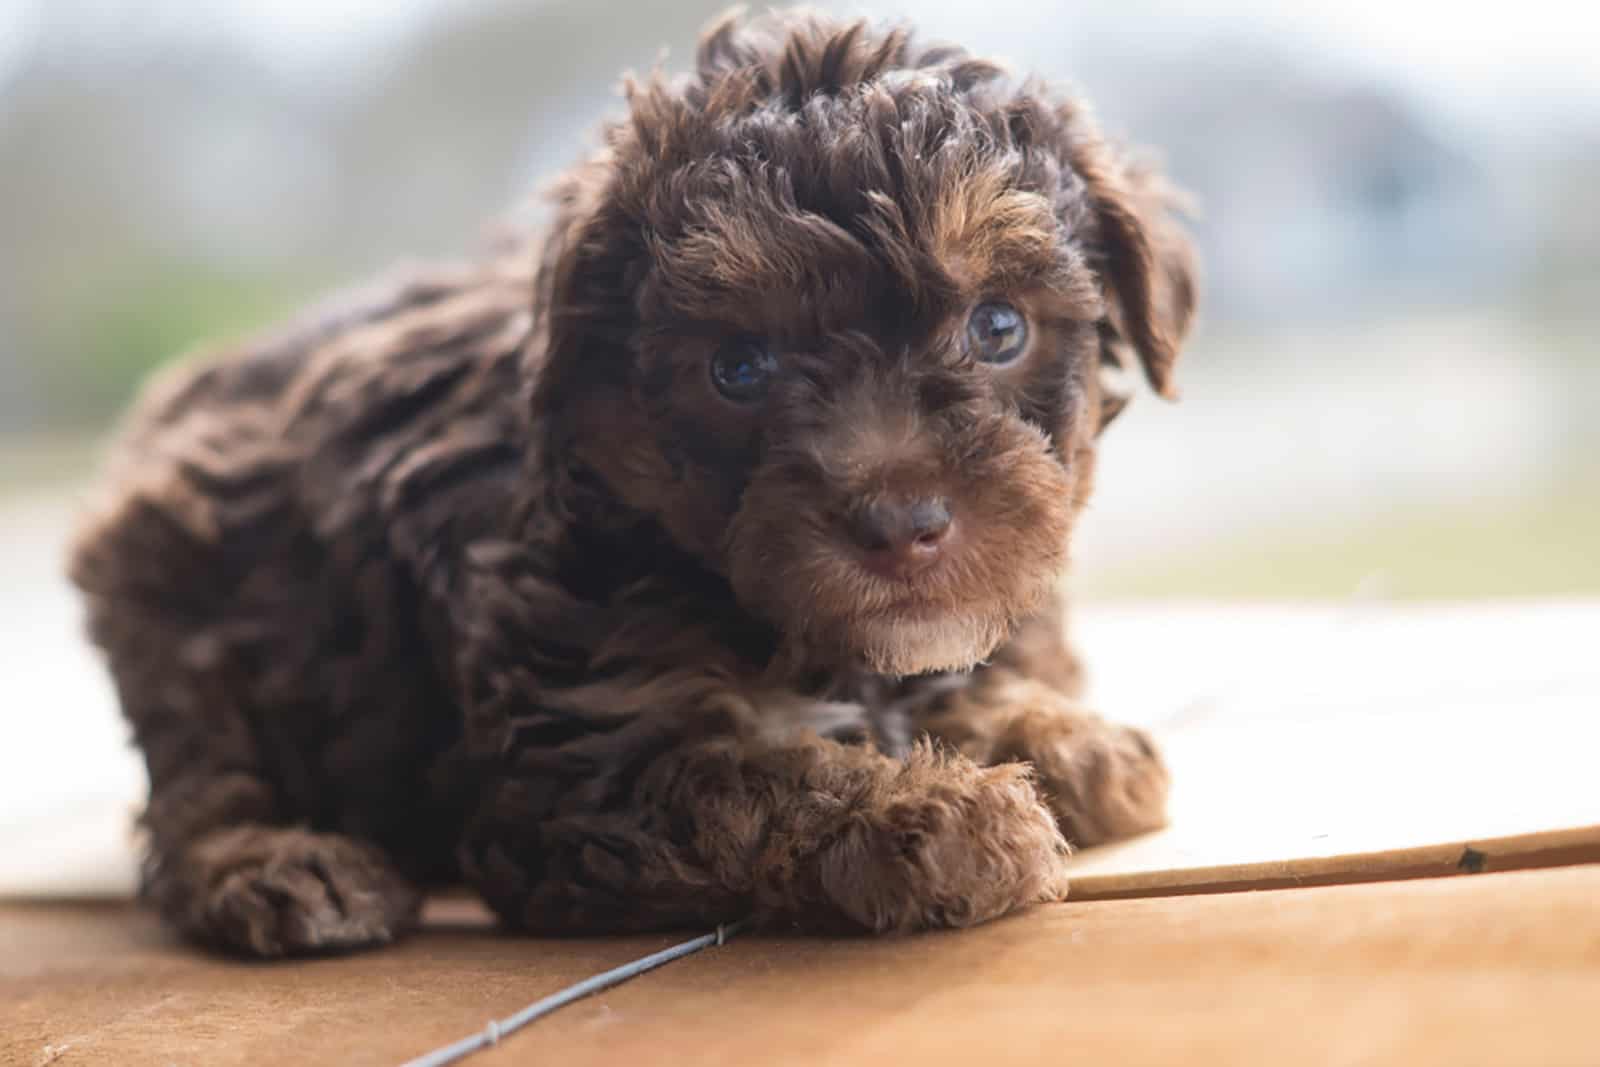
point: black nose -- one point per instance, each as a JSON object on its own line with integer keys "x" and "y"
{"x": 901, "y": 537}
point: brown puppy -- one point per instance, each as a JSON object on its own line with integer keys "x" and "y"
{"x": 696, "y": 561}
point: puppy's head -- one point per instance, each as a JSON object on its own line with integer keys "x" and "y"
{"x": 835, "y": 311}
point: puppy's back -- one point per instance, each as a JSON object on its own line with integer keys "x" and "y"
{"x": 258, "y": 540}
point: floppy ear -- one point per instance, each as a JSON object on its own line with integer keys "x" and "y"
{"x": 576, "y": 364}
{"x": 1146, "y": 260}
{"x": 597, "y": 453}
{"x": 563, "y": 297}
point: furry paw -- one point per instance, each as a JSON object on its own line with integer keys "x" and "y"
{"x": 1103, "y": 781}
{"x": 276, "y": 893}
{"x": 948, "y": 843}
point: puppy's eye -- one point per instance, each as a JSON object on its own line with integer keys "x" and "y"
{"x": 996, "y": 333}
{"x": 741, "y": 370}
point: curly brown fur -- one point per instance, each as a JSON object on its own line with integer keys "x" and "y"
{"x": 480, "y": 576}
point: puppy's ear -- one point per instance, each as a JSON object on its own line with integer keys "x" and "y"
{"x": 1146, "y": 259}
{"x": 597, "y": 453}
{"x": 574, "y": 288}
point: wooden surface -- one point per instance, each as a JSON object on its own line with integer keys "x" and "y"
{"x": 1338, "y": 743}
{"x": 1493, "y": 969}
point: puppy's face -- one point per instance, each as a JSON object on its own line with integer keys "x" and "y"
{"x": 835, "y": 312}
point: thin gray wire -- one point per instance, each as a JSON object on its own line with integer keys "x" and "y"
{"x": 499, "y": 1028}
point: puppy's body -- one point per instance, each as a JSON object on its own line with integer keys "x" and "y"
{"x": 482, "y": 575}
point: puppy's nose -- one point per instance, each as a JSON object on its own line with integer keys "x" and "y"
{"x": 901, "y": 538}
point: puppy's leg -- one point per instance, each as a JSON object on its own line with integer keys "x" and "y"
{"x": 224, "y": 862}
{"x": 208, "y": 681}
{"x": 809, "y": 832}
{"x": 1103, "y": 781}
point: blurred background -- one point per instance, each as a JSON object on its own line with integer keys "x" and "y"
{"x": 1401, "y": 227}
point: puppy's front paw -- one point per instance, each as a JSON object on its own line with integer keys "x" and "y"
{"x": 292, "y": 892}
{"x": 1104, "y": 781}
{"x": 949, "y": 843}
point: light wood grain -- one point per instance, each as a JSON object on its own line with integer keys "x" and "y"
{"x": 1492, "y": 970}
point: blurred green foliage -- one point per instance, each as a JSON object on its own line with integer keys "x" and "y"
{"x": 151, "y": 313}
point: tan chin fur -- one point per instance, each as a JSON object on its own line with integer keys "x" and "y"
{"x": 904, "y": 647}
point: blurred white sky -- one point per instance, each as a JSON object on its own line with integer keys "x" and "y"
{"x": 1536, "y": 56}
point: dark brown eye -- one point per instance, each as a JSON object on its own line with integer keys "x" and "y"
{"x": 996, "y": 333}
{"x": 741, "y": 370}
